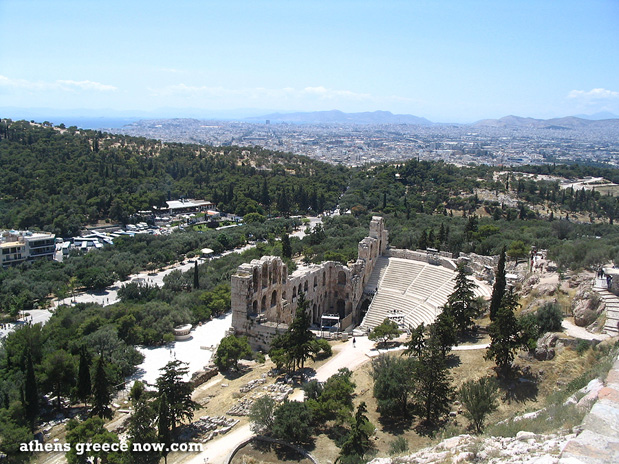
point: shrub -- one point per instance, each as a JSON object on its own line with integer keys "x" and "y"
{"x": 322, "y": 348}
{"x": 582, "y": 347}
{"x": 479, "y": 398}
{"x": 292, "y": 422}
{"x": 398, "y": 446}
{"x": 261, "y": 414}
{"x": 549, "y": 318}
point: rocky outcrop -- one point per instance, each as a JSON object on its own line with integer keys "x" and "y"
{"x": 599, "y": 441}
{"x": 587, "y": 305}
{"x": 545, "y": 349}
{"x": 526, "y": 447}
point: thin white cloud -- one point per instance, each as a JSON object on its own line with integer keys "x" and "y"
{"x": 594, "y": 94}
{"x": 288, "y": 93}
{"x": 172, "y": 70}
{"x": 87, "y": 85}
{"x": 63, "y": 85}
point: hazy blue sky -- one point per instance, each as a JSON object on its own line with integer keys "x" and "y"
{"x": 458, "y": 60}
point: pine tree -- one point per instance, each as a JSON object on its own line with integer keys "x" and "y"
{"x": 357, "y": 441}
{"x": 433, "y": 390}
{"x": 101, "y": 391}
{"x": 301, "y": 337}
{"x": 141, "y": 429}
{"x": 461, "y": 303}
{"x": 504, "y": 331}
{"x": 443, "y": 330}
{"x": 177, "y": 392}
{"x": 500, "y": 284}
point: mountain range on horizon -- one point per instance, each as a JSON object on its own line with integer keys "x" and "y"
{"x": 339, "y": 117}
{"x": 92, "y": 119}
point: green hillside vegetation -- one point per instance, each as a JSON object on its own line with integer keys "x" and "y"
{"x": 59, "y": 180}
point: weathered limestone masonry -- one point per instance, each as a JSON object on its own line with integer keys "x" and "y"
{"x": 438, "y": 258}
{"x": 264, "y": 297}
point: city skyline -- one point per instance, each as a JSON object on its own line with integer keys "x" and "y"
{"x": 442, "y": 60}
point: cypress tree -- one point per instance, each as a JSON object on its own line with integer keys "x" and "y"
{"x": 196, "y": 277}
{"x": 101, "y": 391}
{"x": 286, "y": 247}
{"x": 163, "y": 425}
{"x": 498, "y": 290}
{"x": 31, "y": 393}
{"x": 84, "y": 387}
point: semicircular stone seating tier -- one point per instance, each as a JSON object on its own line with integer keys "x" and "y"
{"x": 408, "y": 290}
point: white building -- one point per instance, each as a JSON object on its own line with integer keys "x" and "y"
{"x": 20, "y": 246}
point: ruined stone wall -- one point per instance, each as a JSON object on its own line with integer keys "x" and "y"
{"x": 441, "y": 258}
{"x": 483, "y": 267}
{"x": 264, "y": 297}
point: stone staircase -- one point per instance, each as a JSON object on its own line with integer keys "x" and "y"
{"x": 377, "y": 274}
{"x": 611, "y": 300}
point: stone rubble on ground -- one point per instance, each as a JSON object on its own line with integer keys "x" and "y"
{"x": 525, "y": 448}
{"x": 249, "y": 386}
{"x": 279, "y": 392}
{"x": 206, "y": 428}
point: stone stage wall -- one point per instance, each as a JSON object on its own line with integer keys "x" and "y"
{"x": 264, "y": 297}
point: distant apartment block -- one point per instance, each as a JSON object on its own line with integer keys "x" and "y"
{"x": 21, "y": 246}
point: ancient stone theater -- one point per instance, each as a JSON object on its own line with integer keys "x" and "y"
{"x": 264, "y": 297}
{"x": 408, "y": 287}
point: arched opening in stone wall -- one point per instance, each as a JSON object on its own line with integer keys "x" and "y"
{"x": 294, "y": 292}
{"x": 300, "y": 289}
{"x": 341, "y": 308}
{"x": 283, "y": 295}
{"x": 305, "y": 287}
{"x": 254, "y": 307}
{"x": 324, "y": 278}
{"x": 315, "y": 281}
{"x": 263, "y": 307}
{"x": 315, "y": 316}
{"x": 341, "y": 278}
{"x": 265, "y": 275}
{"x": 255, "y": 279}
{"x": 274, "y": 298}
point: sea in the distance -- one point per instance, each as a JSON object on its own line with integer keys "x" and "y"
{"x": 91, "y": 122}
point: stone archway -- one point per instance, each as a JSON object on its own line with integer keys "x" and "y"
{"x": 341, "y": 308}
